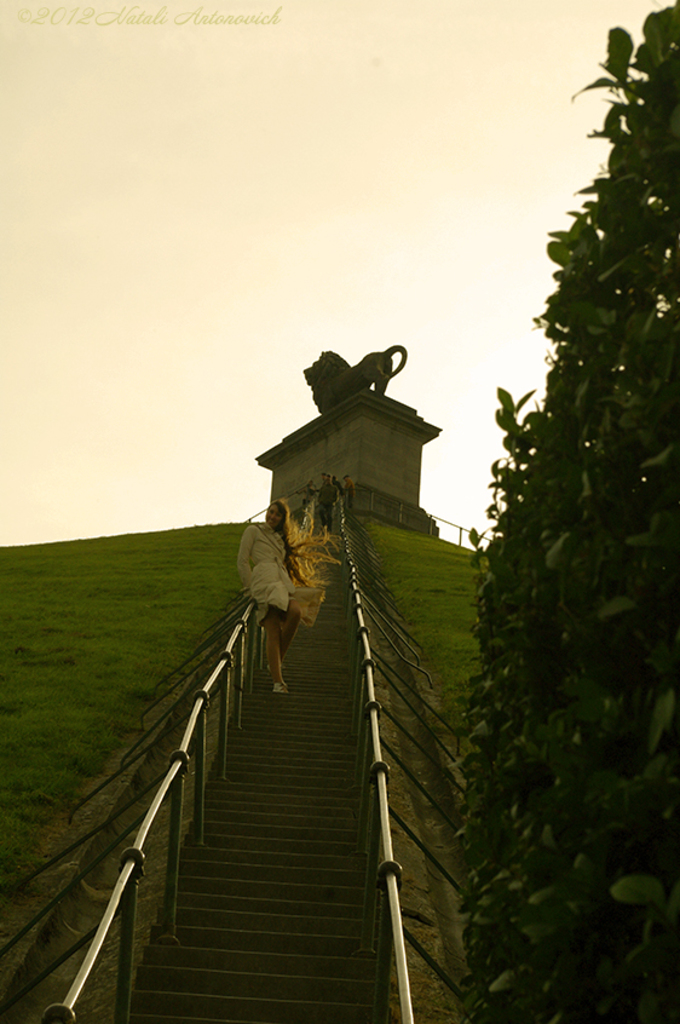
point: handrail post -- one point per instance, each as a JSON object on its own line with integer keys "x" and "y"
{"x": 260, "y": 647}
{"x": 224, "y": 720}
{"x": 371, "y": 888}
{"x": 362, "y": 730}
{"x": 174, "y": 842}
{"x": 251, "y": 638}
{"x": 353, "y": 658}
{"x": 381, "y": 996}
{"x": 121, "y": 1013}
{"x": 363, "y": 779}
{"x": 238, "y": 661}
{"x": 359, "y": 681}
{"x": 199, "y": 784}
{"x": 367, "y": 773}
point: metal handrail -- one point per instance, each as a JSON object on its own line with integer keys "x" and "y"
{"x": 374, "y": 820}
{"x": 376, "y": 831}
{"x": 132, "y": 860}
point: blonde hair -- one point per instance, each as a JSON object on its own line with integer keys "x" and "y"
{"x": 306, "y": 552}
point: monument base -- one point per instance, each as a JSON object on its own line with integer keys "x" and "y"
{"x": 375, "y": 441}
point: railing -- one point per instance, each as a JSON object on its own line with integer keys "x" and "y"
{"x": 238, "y": 656}
{"x": 391, "y": 509}
{"x": 374, "y": 813}
{"x": 231, "y": 676}
{"x": 379, "y": 608}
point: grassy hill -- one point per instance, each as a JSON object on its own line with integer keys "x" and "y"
{"x": 89, "y": 629}
{"x": 92, "y": 626}
{"x": 434, "y": 586}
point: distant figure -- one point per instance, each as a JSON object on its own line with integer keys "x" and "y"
{"x": 350, "y": 491}
{"x": 307, "y": 492}
{"x": 284, "y": 580}
{"x": 327, "y": 497}
{"x": 338, "y": 486}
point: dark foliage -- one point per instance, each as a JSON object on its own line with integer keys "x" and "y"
{"x": 573, "y": 784}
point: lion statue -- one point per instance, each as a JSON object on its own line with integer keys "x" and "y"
{"x": 333, "y": 380}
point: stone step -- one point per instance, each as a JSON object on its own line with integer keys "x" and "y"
{"x": 274, "y": 871}
{"x": 313, "y": 944}
{"x": 327, "y": 833}
{"x": 269, "y": 908}
{"x": 237, "y": 904}
{"x": 183, "y": 1008}
{"x": 225, "y": 895}
{"x": 292, "y": 863}
{"x": 235, "y": 839}
{"x": 342, "y": 817}
{"x": 306, "y": 789}
{"x": 284, "y": 924}
{"x": 234, "y": 984}
{"x": 261, "y": 962}
{"x": 295, "y": 801}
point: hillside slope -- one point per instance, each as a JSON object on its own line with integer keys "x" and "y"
{"x": 89, "y": 629}
{"x": 433, "y": 583}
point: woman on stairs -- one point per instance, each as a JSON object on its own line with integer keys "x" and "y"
{"x": 284, "y": 580}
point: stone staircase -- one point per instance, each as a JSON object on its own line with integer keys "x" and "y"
{"x": 269, "y": 908}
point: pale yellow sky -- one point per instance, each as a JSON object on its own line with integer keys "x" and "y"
{"x": 193, "y": 212}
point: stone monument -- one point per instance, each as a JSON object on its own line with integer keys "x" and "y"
{"x": 362, "y": 434}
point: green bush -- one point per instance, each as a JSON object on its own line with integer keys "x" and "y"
{"x": 573, "y": 841}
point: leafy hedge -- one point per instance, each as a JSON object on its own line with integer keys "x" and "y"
{"x": 573, "y": 786}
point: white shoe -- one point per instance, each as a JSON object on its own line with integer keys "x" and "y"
{"x": 280, "y": 688}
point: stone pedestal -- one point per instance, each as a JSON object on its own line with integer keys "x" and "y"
{"x": 376, "y": 441}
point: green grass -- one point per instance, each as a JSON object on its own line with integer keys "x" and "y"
{"x": 433, "y": 583}
{"x": 89, "y": 629}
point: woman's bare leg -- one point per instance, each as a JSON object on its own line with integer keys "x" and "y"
{"x": 289, "y": 626}
{"x": 272, "y": 626}
{"x": 280, "y": 628}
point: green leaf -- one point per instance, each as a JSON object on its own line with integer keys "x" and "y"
{"x": 640, "y": 540}
{"x": 654, "y": 37}
{"x": 639, "y": 890}
{"x": 674, "y": 903}
{"x": 559, "y": 253}
{"x": 584, "y": 865}
{"x": 601, "y": 83}
{"x": 607, "y": 273}
{"x": 503, "y": 982}
{"x": 542, "y": 894}
{"x": 616, "y": 606}
{"x": 661, "y": 459}
{"x": 675, "y": 121}
{"x": 554, "y": 554}
{"x": 525, "y": 399}
{"x": 505, "y": 398}
{"x": 619, "y": 53}
{"x": 662, "y": 718}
